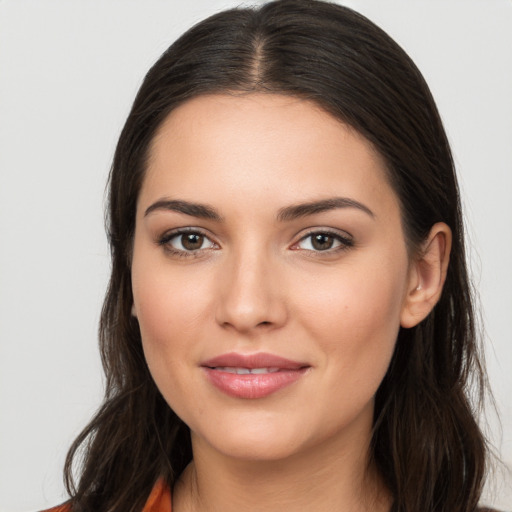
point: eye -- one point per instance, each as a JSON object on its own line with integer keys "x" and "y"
{"x": 321, "y": 241}
{"x": 186, "y": 241}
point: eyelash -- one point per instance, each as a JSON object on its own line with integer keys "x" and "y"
{"x": 345, "y": 242}
{"x": 166, "y": 238}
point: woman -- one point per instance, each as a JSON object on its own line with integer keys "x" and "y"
{"x": 289, "y": 323}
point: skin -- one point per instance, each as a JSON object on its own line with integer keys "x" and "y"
{"x": 257, "y": 284}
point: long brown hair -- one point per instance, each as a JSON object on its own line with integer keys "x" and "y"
{"x": 426, "y": 442}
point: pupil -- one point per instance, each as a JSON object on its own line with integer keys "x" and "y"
{"x": 322, "y": 242}
{"x": 192, "y": 241}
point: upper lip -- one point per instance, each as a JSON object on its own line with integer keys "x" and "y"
{"x": 259, "y": 360}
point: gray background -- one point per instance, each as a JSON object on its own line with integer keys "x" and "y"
{"x": 69, "y": 71}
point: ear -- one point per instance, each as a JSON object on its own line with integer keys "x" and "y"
{"x": 427, "y": 275}
{"x": 134, "y": 312}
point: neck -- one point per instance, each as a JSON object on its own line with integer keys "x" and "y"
{"x": 326, "y": 478}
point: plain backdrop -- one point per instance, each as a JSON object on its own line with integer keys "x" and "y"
{"x": 69, "y": 71}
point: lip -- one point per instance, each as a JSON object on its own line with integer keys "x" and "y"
{"x": 252, "y": 386}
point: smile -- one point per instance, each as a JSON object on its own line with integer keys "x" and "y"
{"x": 252, "y": 376}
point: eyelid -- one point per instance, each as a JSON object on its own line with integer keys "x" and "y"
{"x": 346, "y": 239}
{"x": 165, "y": 239}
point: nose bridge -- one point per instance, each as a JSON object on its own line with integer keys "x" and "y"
{"x": 250, "y": 293}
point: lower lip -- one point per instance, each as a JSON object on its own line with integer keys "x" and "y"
{"x": 252, "y": 385}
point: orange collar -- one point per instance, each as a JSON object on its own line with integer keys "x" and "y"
{"x": 160, "y": 498}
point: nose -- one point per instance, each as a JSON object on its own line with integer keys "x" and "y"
{"x": 251, "y": 294}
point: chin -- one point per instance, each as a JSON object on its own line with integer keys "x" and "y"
{"x": 257, "y": 441}
{"x": 263, "y": 450}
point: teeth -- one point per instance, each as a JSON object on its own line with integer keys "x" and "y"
{"x": 264, "y": 370}
{"x": 246, "y": 371}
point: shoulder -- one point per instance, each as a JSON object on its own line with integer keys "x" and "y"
{"x": 158, "y": 501}
{"x": 61, "y": 508}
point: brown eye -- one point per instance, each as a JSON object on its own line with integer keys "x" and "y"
{"x": 192, "y": 241}
{"x": 186, "y": 242}
{"x": 322, "y": 241}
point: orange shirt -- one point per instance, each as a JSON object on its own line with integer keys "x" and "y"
{"x": 159, "y": 500}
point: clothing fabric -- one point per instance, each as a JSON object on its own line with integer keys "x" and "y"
{"x": 158, "y": 501}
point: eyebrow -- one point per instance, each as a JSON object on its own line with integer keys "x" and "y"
{"x": 202, "y": 211}
{"x": 304, "y": 209}
{"x": 287, "y": 213}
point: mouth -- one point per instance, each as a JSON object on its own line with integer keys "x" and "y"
{"x": 246, "y": 371}
{"x": 252, "y": 376}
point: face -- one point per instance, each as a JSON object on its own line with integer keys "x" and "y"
{"x": 269, "y": 274}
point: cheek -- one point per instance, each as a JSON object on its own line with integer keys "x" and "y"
{"x": 170, "y": 313}
{"x": 170, "y": 310}
{"x": 359, "y": 297}
{"x": 166, "y": 302}
{"x": 355, "y": 316}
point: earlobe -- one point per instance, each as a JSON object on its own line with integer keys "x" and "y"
{"x": 134, "y": 313}
{"x": 427, "y": 276}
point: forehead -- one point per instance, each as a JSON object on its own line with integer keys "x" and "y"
{"x": 272, "y": 147}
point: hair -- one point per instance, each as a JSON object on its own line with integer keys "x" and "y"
{"x": 425, "y": 443}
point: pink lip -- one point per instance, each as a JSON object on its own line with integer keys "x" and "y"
{"x": 252, "y": 385}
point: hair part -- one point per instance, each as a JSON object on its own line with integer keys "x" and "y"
{"x": 426, "y": 443}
